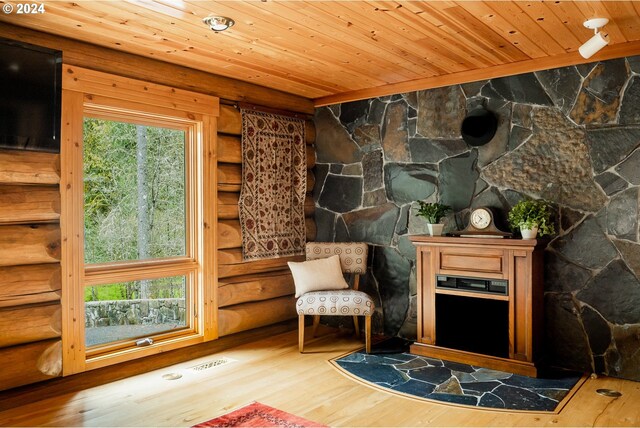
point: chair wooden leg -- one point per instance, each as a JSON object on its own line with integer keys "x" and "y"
{"x": 316, "y": 322}
{"x": 367, "y": 333}
{"x": 356, "y": 326}
{"x": 301, "y": 333}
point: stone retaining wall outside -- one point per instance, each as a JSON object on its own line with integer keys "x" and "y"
{"x": 134, "y": 312}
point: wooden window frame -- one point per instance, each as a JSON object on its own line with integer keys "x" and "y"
{"x": 88, "y": 93}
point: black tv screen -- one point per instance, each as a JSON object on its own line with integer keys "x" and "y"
{"x": 30, "y": 97}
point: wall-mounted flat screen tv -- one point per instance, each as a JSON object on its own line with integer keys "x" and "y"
{"x": 30, "y": 97}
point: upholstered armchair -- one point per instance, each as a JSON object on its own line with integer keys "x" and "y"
{"x": 322, "y": 290}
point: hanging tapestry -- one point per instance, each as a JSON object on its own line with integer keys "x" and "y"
{"x": 274, "y": 182}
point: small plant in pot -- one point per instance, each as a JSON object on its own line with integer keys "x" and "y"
{"x": 433, "y": 212}
{"x": 532, "y": 218}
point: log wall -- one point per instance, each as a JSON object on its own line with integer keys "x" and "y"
{"x": 257, "y": 293}
{"x": 30, "y": 278}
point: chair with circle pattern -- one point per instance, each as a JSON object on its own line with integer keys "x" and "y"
{"x": 345, "y": 302}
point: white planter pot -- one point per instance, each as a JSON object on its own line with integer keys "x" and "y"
{"x": 529, "y": 233}
{"x": 435, "y": 229}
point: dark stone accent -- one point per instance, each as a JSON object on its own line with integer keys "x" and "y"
{"x": 483, "y": 374}
{"x": 630, "y": 168}
{"x": 376, "y": 112}
{"x": 599, "y": 364}
{"x": 512, "y": 197}
{"x": 353, "y": 111}
{"x": 562, "y": 85}
{"x": 433, "y": 151}
{"x": 412, "y": 99}
{"x": 598, "y": 331}
{"x": 406, "y": 248}
{"x": 453, "y": 398}
{"x": 634, "y": 63}
{"x": 402, "y": 226}
{"x": 599, "y": 99}
{"x": 611, "y": 183}
{"x": 523, "y": 88}
{"x": 325, "y": 225}
{"x": 336, "y": 168}
{"x": 627, "y": 339}
{"x": 615, "y": 293}
{"x": 491, "y": 400}
{"x": 410, "y": 326}
{"x": 459, "y": 367}
{"x": 630, "y": 254}
{"x": 320, "y": 172}
{"x": 500, "y": 141}
{"x": 412, "y": 113}
{"x": 341, "y": 193}
{"x": 394, "y": 132}
{"x": 562, "y": 276}
{"x": 630, "y": 108}
{"x": 608, "y": 146}
{"x": 569, "y": 218}
{"x": 367, "y": 137}
{"x": 392, "y": 272}
{"x": 473, "y": 89}
{"x": 489, "y": 92}
{"x": 521, "y": 115}
{"x": 406, "y": 183}
{"x": 440, "y": 112}
{"x": 480, "y": 386}
{"x": 412, "y": 127}
{"x": 458, "y": 177}
{"x": 333, "y": 143}
{"x": 566, "y": 339}
{"x": 586, "y": 245}
{"x": 557, "y": 148}
{"x": 481, "y": 185}
{"x": 518, "y": 136}
{"x": 374, "y": 198}
{"x": 415, "y": 387}
{"x": 372, "y": 169}
{"x": 564, "y": 382}
{"x": 622, "y": 215}
{"x": 520, "y": 398}
{"x": 435, "y": 375}
{"x": 374, "y": 225}
{"x": 374, "y": 372}
{"x": 586, "y": 69}
{"x": 416, "y": 363}
{"x": 352, "y": 169}
{"x": 342, "y": 233}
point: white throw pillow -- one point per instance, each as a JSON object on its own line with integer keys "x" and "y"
{"x": 316, "y": 275}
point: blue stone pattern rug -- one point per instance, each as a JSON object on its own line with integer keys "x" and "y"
{"x": 457, "y": 383}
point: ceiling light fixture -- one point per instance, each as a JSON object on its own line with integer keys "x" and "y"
{"x": 218, "y": 23}
{"x": 599, "y": 39}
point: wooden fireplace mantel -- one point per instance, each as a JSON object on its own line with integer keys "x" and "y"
{"x": 516, "y": 260}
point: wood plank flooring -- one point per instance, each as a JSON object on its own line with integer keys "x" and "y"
{"x": 272, "y": 372}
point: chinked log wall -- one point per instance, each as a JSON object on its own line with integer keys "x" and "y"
{"x": 257, "y": 293}
{"x": 30, "y": 278}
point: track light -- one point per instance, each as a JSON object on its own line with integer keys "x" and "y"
{"x": 598, "y": 41}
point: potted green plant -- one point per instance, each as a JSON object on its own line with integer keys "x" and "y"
{"x": 532, "y": 217}
{"x": 433, "y": 212}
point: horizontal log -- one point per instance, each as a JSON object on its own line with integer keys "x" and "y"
{"x": 29, "y": 244}
{"x": 246, "y": 316}
{"x": 26, "y": 324}
{"x": 23, "y": 285}
{"x": 228, "y": 205}
{"x": 230, "y": 235}
{"x": 251, "y": 288}
{"x": 30, "y": 363}
{"x": 229, "y": 148}
{"x": 230, "y": 122}
{"x": 26, "y": 204}
{"x": 26, "y": 167}
{"x": 230, "y": 263}
{"x": 230, "y": 177}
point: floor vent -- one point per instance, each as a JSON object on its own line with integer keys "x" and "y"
{"x": 210, "y": 364}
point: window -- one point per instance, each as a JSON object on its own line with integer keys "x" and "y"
{"x": 137, "y": 254}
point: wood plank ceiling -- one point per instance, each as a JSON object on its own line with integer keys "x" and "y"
{"x": 335, "y": 51}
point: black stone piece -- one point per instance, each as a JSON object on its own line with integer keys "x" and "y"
{"x": 611, "y": 183}
{"x": 415, "y": 387}
{"x": 634, "y": 63}
{"x": 586, "y": 69}
{"x": 486, "y": 386}
{"x": 325, "y": 225}
{"x": 435, "y": 375}
{"x": 406, "y": 183}
{"x": 426, "y": 150}
{"x": 630, "y": 168}
{"x": 518, "y": 136}
{"x": 586, "y": 245}
{"x": 523, "y": 88}
{"x": 562, "y": 276}
{"x": 473, "y": 89}
{"x": 523, "y": 399}
{"x": 376, "y": 112}
{"x": 609, "y": 146}
{"x": 468, "y": 400}
{"x": 491, "y": 400}
{"x": 630, "y": 108}
{"x": 352, "y": 111}
{"x": 320, "y": 171}
{"x": 392, "y": 273}
{"x": 341, "y": 193}
{"x": 336, "y": 168}
{"x": 458, "y": 176}
{"x": 562, "y": 85}
{"x": 374, "y": 225}
{"x": 597, "y": 329}
{"x": 622, "y": 215}
{"x": 374, "y": 372}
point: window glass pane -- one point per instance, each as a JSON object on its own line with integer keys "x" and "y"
{"x": 134, "y": 191}
{"x": 129, "y": 310}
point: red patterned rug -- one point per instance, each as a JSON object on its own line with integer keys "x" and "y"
{"x": 258, "y": 415}
{"x": 274, "y": 183}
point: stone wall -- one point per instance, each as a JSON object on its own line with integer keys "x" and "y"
{"x": 569, "y": 135}
{"x": 134, "y": 312}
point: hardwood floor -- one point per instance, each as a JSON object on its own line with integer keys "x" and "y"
{"x": 273, "y": 372}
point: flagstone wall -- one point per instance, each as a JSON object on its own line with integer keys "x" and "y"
{"x": 569, "y": 135}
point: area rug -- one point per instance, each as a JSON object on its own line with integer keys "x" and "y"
{"x": 274, "y": 183}
{"x": 391, "y": 367}
{"x": 259, "y": 415}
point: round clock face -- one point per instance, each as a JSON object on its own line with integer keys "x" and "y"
{"x": 480, "y": 218}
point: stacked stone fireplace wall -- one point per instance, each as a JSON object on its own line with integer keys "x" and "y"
{"x": 568, "y": 135}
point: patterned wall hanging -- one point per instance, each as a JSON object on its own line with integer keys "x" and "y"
{"x": 274, "y": 182}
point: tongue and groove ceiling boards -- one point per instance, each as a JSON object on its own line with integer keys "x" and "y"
{"x": 336, "y": 51}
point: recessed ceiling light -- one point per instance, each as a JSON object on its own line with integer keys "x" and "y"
{"x": 218, "y": 23}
